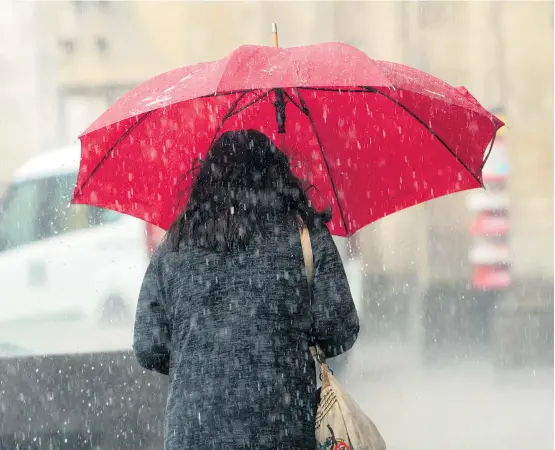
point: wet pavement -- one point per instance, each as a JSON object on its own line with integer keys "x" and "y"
{"x": 468, "y": 405}
{"x": 463, "y": 405}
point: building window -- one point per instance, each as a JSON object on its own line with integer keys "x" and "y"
{"x": 79, "y": 110}
{"x": 67, "y": 46}
{"x": 101, "y": 44}
{"x": 435, "y": 14}
{"x": 78, "y": 6}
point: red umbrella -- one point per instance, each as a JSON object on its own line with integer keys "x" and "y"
{"x": 372, "y": 137}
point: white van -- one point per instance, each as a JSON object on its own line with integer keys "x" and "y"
{"x": 64, "y": 264}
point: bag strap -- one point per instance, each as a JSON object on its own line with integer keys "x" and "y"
{"x": 316, "y": 352}
{"x": 308, "y": 257}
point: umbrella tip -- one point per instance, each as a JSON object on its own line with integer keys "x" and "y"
{"x": 274, "y": 35}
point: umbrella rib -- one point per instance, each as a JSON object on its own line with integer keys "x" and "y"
{"x": 147, "y": 114}
{"x": 304, "y": 109}
{"x": 489, "y": 150}
{"x": 360, "y": 90}
{"x": 111, "y": 149}
{"x": 253, "y": 102}
{"x": 222, "y": 94}
{"x": 413, "y": 115}
{"x": 432, "y": 132}
{"x": 292, "y": 100}
{"x": 229, "y": 113}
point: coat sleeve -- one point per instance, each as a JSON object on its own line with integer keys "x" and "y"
{"x": 151, "y": 338}
{"x": 335, "y": 319}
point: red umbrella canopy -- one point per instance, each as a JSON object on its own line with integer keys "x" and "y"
{"x": 372, "y": 137}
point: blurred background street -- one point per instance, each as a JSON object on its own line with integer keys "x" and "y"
{"x": 455, "y": 296}
{"x": 465, "y": 404}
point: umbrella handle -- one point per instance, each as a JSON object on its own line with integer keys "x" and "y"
{"x": 274, "y": 35}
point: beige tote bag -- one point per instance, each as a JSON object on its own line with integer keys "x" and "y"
{"x": 340, "y": 423}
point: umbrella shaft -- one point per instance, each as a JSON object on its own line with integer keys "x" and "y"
{"x": 280, "y": 110}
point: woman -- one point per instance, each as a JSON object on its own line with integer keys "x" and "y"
{"x": 225, "y": 311}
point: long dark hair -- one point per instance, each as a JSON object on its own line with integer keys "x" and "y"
{"x": 244, "y": 184}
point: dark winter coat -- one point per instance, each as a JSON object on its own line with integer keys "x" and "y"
{"x": 232, "y": 332}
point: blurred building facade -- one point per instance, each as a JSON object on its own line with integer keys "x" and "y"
{"x": 18, "y": 85}
{"x": 82, "y": 55}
